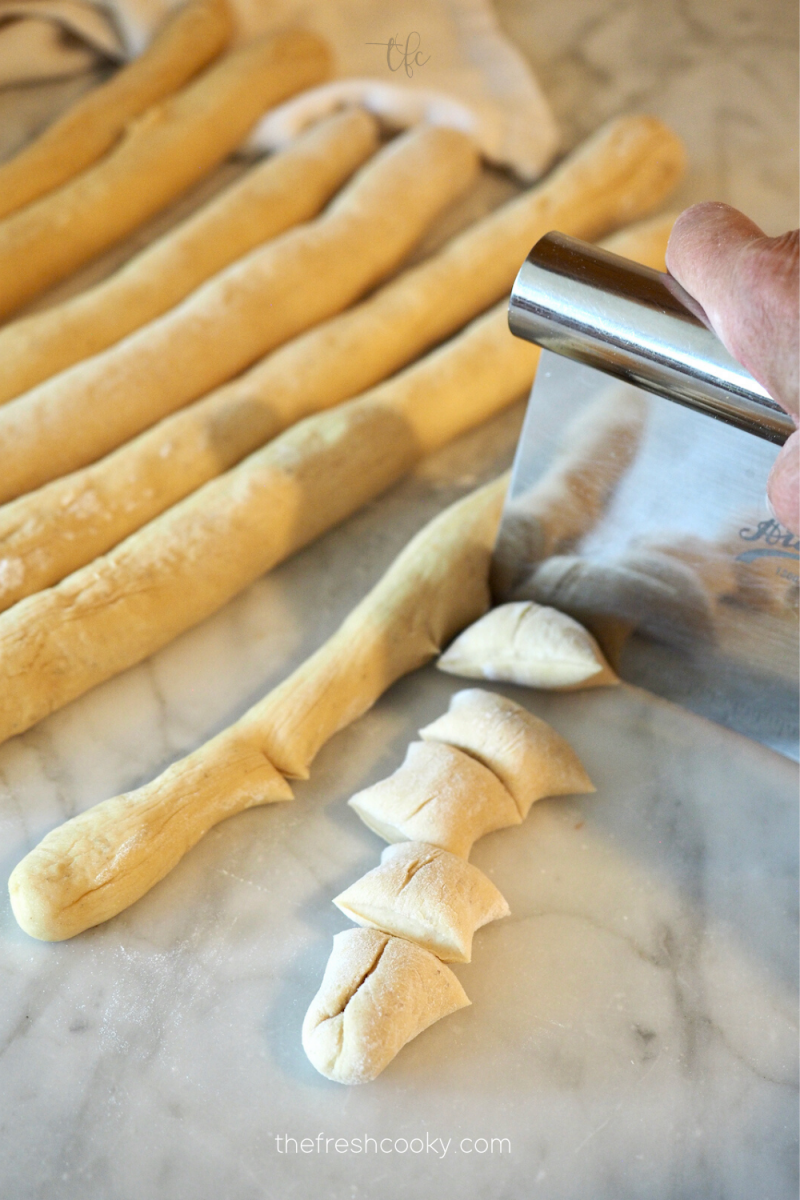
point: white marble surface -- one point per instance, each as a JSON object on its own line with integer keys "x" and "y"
{"x": 633, "y": 1026}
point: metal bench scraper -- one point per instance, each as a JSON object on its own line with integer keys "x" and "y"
{"x": 638, "y": 496}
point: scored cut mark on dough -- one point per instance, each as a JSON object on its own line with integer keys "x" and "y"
{"x": 439, "y": 795}
{"x": 378, "y": 992}
{"x": 526, "y": 754}
{"x": 427, "y": 896}
{"x": 421, "y": 893}
{"x": 529, "y": 644}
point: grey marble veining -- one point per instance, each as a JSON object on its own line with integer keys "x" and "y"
{"x": 633, "y": 1029}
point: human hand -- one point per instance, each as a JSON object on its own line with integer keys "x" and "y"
{"x": 747, "y": 284}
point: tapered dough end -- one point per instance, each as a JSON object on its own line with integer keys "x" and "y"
{"x": 427, "y": 896}
{"x": 377, "y": 993}
{"x": 524, "y": 752}
{"x": 529, "y": 644}
{"x": 91, "y": 868}
{"x": 438, "y": 795}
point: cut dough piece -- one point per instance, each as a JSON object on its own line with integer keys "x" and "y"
{"x": 524, "y": 752}
{"x": 530, "y": 644}
{"x": 423, "y": 894}
{"x": 378, "y": 992}
{"x": 438, "y": 795}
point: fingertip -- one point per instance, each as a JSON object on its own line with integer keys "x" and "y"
{"x": 710, "y": 227}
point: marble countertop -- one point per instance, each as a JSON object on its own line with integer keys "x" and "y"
{"x": 633, "y": 1028}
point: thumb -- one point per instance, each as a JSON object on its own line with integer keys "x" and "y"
{"x": 747, "y": 284}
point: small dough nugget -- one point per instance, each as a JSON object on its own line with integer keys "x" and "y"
{"x": 423, "y": 894}
{"x": 378, "y": 992}
{"x": 525, "y": 753}
{"x": 438, "y": 795}
{"x": 529, "y": 644}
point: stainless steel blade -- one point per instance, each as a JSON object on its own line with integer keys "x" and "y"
{"x": 649, "y": 523}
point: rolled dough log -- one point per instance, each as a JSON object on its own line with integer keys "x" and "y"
{"x": 525, "y": 753}
{"x": 65, "y": 524}
{"x": 151, "y": 833}
{"x": 166, "y": 149}
{"x": 439, "y": 795}
{"x": 529, "y": 644}
{"x": 81, "y": 873}
{"x": 190, "y": 37}
{"x": 377, "y": 993}
{"x": 427, "y": 896}
{"x": 288, "y": 187}
{"x": 266, "y": 297}
{"x": 191, "y": 560}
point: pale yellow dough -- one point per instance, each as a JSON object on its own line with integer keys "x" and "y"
{"x": 165, "y": 149}
{"x": 256, "y": 303}
{"x": 529, "y": 644}
{"x": 95, "y": 865}
{"x": 286, "y": 188}
{"x": 191, "y": 560}
{"x": 439, "y": 795}
{"x": 525, "y": 753}
{"x": 426, "y": 895}
{"x": 191, "y": 36}
{"x": 378, "y": 992}
{"x": 107, "y": 857}
{"x": 50, "y": 532}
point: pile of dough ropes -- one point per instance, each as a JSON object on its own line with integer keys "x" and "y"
{"x": 478, "y": 768}
{"x": 238, "y": 387}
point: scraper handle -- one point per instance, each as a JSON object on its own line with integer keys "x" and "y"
{"x": 640, "y": 326}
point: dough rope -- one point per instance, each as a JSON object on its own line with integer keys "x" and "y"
{"x": 165, "y": 150}
{"x": 289, "y": 187}
{"x": 97, "y": 864}
{"x": 65, "y": 524}
{"x": 124, "y": 606}
{"x": 190, "y": 37}
{"x": 258, "y": 302}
